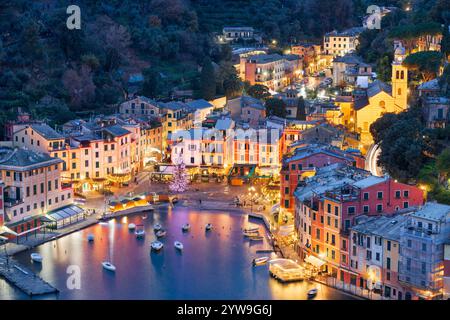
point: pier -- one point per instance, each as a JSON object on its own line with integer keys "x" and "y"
{"x": 24, "y": 279}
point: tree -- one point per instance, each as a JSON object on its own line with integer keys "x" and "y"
{"x": 404, "y": 145}
{"x": 79, "y": 85}
{"x": 301, "y": 109}
{"x": 207, "y": 80}
{"x": 152, "y": 86}
{"x": 384, "y": 68}
{"x": 233, "y": 86}
{"x": 276, "y": 107}
{"x": 443, "y": 165}
{"x": 445, "y": 43}
{"x": 258, "y": 91}
{"x": 425, "y": 63}
{"x": 180, "y": 180}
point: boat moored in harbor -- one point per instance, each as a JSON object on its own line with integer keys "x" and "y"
{"x": 131, "y": 226}
{"x": 161, "y": 233}
{"x": 251, "y": 233}
{"x": 186, "y": 227}
{"x": 312, "y": 293}
{"x": 157, "y": 227}
{"x": 90, "y": 237}
{"x": 178, "y": 245}
{"x": 256, "y": 238}
{"x": 260, "y": 261}
{"x": 208, "y": 227}
{"x": 157, "y": 245}
{"x": 108, "y": 266}
{"x": 36, "y": 257}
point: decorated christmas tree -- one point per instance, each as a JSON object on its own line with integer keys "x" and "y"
{"x": 180, "y": 180}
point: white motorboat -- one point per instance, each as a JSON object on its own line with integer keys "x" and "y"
{"x": 251, "y": 233}
{"x": 250, "y": 230}
{"x": 208, "y": 227}
{"x": 256, "y": 238}
{"x": 131, "y": 226}
{"x": 157, "y": 227}
{"x": 260, "y": 261}
{"x": 90, "y": 237}
{"x": 186, "y": 227}
{"x": 178, "y": 245}
{"x": 157, "y": 245}
{"x": 139, "y": 233}
{"x": 108, "y": 266}
{"x": 312, "y": 293}
{"x": 36, "y": 257}
{"x": 161, "y": 233}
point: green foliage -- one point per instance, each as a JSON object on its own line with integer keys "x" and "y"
{"x": 301, "y": 109}
{"x": 410, "y": 31}
{"x": 258, "y": 91}
{"x": 153, "y": 83}
{"x": 424, "y": 63}
{"x": 404, "y": 145}
{"x": 443, "y": 163}
{"x": 207, "y": 80}
{"x": 384, "y": 68}
{"x": 276, "y": 107}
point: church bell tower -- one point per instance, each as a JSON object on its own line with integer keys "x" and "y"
{"x": 400, "y": 79}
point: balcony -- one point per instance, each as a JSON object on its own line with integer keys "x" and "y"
{"x": 9, "y": 202}
{"x": 66, "y": 185}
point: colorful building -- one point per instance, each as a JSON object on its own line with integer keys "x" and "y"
{"x": 421, "y": 267}
{"x": 32, "y": 188}
{"x": 327, "y": 206}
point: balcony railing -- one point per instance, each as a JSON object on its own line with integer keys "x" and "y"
{"x": 12, "y": 202}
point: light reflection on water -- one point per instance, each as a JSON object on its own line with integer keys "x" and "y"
{"x": 213, "y": 265}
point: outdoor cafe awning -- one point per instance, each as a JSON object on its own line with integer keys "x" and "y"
{"x": 6, "y": 230}
{"x": 316, "y": 262}
{"x": 64, "y": 213}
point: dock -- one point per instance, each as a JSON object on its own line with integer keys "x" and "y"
{"x": 262, "y": 217}
{"x": 24, "y": 279}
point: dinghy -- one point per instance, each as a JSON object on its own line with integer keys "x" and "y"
{"x": 108, "y": 266}
{"x": 312, "y": 293}
{"x": 131, "y": 226}
{"x": 208, "y": 227}
{"x": 186, "y": 227}
{"x": 157, "y": 245}
{"x": 36, "y": 257}
{"x": 161, "y": 233}
{"x": 260, "y": 261}
{"x": 178, "y": 245}
{"x": 90, "y": 237}
{"x": 157, "y": 227}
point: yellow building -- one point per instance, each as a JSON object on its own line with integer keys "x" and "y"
{"x": 358, "y": 113}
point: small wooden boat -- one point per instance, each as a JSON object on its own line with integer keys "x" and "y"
{"x": 108, "y": 266}
{"x": 157, "y": 227}
{"x": 131, "y": 226}
{"x": 251, "y": 233}
{"x": 36, "y": 257}
{"x": 157, "y": 245}
{"x": 178, "y": 245}
{"x": 256, "y": 238}
{"x": 208, "y": 227}
{"x": 312, "y": 293}
{"x": 260, "y": 261}
{"x": 186, "y": 227}
{"x": 161, "y": 233}
{"x": 90, "y": 237}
